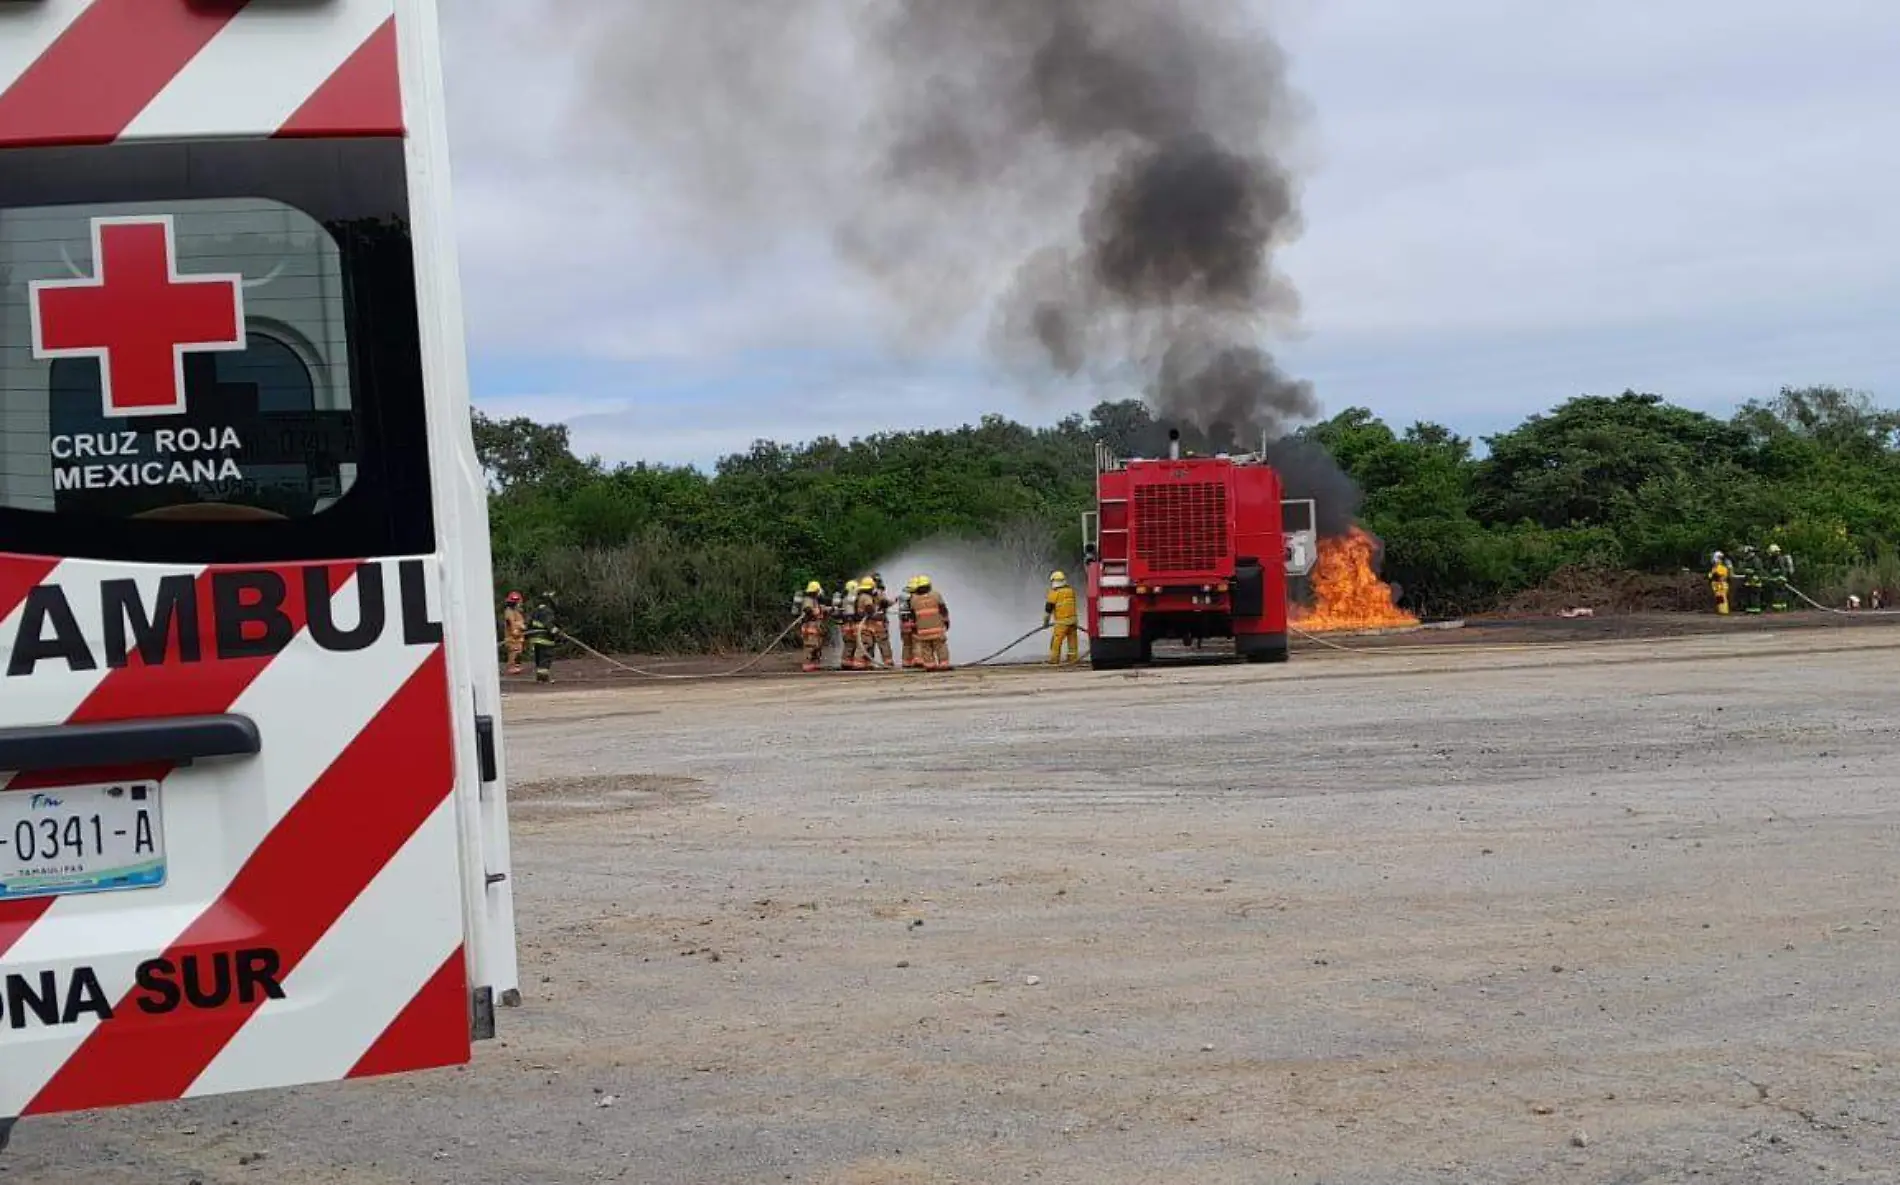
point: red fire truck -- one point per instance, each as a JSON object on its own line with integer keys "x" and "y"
{"x": 1190, "y": 548}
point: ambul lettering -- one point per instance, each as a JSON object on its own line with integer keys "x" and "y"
{"x": 233, "y": 614}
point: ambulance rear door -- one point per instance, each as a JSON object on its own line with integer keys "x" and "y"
{"x": 241, "y": 776}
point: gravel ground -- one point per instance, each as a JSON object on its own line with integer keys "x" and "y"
{"x": 1597, "y": 913}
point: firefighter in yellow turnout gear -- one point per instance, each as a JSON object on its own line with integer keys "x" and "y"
{"x": 874, "y": 629}
{"x": 514, "y": 628}
{"x": 880, "y": 640}
{"x": 1059, "y": 617}
{"x": 1719, "y": 573}
{"x": 814, "y": 625}
{"x": 933, "y": 626}
{"x": 848, "y": 622}
{"x": 907, "y": 623}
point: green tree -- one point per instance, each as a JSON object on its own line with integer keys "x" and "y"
{"x": 519, "y": 452}
{"x": 654, "y": 557}
{"x": 1566, "y": 468}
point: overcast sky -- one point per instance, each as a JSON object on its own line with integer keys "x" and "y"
{"x": 1505, "y": 204}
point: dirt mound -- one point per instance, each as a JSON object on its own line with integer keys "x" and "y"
{"x": 1607, "y": 591}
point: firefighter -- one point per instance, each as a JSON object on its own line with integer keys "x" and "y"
{"x": 866, "y": 635}
{"x": 849, "y": 625}
{"x": 1780, "y": 577}
{"x": 1058, "y": 615}
{"x": 848, "y": 621}
{"x": 885, "y": 603}
{"x": 1749, "y": 569}
{"x": 877, "y": 623}
{"x": 907, "y": 623}
{"x": 814, "y": 625}
{"x": 544, "y": 630}
{"x": 1718, "y": 583}
{"x": 839, "y": 608}
{"x": 933, "y": 626}
{"x": 514, "y": 630}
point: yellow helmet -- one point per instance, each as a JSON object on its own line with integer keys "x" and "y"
{"x": 851, "y": 586}
{"x": 866, "y": 582}
{"x": 1774, "y": 549}
{"x": 1057, "y": 578}
{"x": 923, "y": 582}
{"x": 814, "y": 588}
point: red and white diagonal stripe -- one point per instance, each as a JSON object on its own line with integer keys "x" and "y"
{"x": 335, "y": 847}
{"x": 98, "y": 71}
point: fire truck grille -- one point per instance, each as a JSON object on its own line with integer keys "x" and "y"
{"x": 1181, "y": 528}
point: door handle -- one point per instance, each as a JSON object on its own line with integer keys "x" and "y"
{"x": 175, "y": 740}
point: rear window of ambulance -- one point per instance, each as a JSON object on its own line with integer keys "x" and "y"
{"x": 272, "y": 284}
{"x": 267, "y": 427}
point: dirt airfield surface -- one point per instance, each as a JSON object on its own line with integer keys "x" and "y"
{"x": 1584, "y": 911}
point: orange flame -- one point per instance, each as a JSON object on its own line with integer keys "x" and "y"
{"x": 1347, "y": 591}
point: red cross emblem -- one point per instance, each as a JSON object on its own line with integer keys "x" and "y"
{"x": 137, "y": 315}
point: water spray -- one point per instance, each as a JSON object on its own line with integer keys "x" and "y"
{"x": 995, "y": 592}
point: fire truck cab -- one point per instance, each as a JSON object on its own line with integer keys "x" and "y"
{"x": 1188, "y": 548}
{"x": 253, "y": 831}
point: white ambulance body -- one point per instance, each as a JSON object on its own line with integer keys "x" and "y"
{"x": 252, "y": 824}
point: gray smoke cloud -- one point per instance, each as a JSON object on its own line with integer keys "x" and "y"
{"x": 1114, "y": 168}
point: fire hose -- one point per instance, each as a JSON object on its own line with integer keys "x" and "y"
{"x": 773, "y": 646}
{"x": 1842, "y": 612}
{"x": 756, "y": 659}
{"x": 1041, "y": 629}
{"x": 1327, "y": 642}
{"x": 996, "y": 654}
{"x": 1829, "y": 608}
{"x": 762, "y": 655}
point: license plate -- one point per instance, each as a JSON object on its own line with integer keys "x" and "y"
{"x": 80, "y": 839}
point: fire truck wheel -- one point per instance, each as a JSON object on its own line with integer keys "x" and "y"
{"x": 1262, "y": 648}
{"x": 1114, "y": 654}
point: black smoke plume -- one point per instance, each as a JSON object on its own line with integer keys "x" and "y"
{"x": 1308, "y": 471}
{"x": 1115, "y": 168}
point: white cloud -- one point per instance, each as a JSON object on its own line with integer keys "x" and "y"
{"x": 801, "y": 404}
{"x": 1507, "y": 204}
